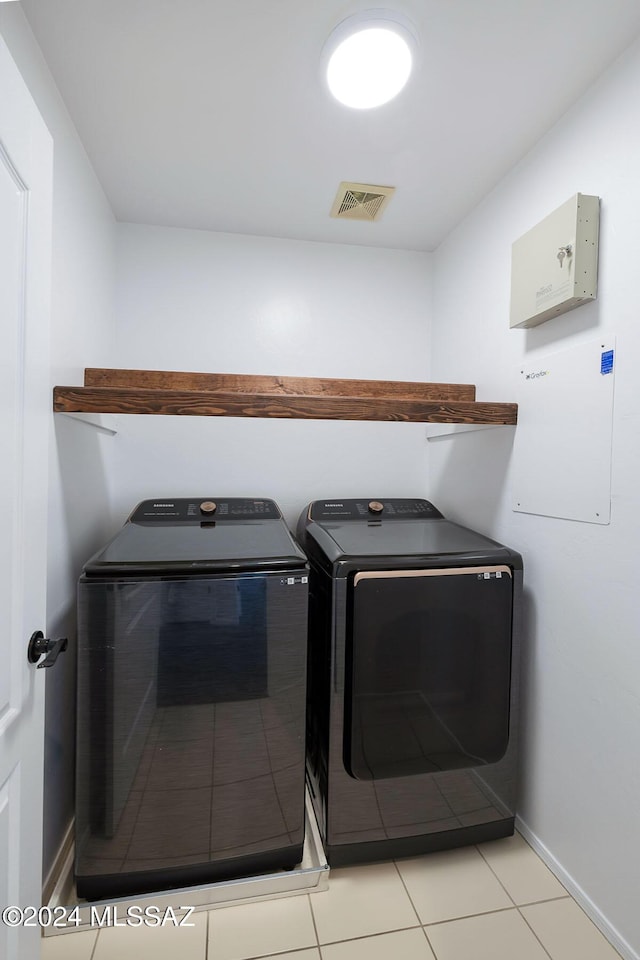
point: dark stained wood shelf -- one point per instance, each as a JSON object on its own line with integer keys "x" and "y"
{"x": 280, "y": 386}
{"x": 243, "y": 395}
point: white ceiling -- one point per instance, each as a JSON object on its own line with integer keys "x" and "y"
{"x": 213, "y": 115}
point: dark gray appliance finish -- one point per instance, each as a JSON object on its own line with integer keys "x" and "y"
{"x": 192, "y": 633}
{"x": 413, "y": 679}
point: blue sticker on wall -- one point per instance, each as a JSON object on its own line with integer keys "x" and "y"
{"x": 606, "y": 361}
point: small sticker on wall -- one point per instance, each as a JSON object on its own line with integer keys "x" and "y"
{"x": 606, "y": 362}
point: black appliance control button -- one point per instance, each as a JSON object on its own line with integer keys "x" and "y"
{"x": 375, "y": 506}
{"x": 208, "y": 507}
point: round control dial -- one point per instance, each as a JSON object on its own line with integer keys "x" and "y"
{"x": 375, "y": 506}
{"x": 208, "y": 507}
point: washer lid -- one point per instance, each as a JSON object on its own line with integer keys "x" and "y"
{"x": 155, "y": 541}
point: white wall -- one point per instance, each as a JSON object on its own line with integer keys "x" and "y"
{"x": 192, "y": 300}
{"x": 581, "y": 785}
{"x": 82, "y": 301}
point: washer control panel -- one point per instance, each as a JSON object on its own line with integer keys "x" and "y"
{"x": 372, "y": 510}
{"x": 197, "y": 509}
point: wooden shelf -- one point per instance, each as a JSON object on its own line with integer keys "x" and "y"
{"x": 243, "y": 395}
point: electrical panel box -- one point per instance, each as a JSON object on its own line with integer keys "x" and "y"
{"x": 554, "y": 267}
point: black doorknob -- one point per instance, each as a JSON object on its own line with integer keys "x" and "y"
{"x": 39, "y": 646}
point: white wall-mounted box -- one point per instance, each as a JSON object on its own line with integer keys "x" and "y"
{"x": 554, "y": 267}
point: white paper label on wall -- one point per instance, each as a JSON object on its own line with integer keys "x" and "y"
{"x": 562, "y": 450}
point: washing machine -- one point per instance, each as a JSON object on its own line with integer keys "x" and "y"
{"x": 192, "y": 636}
{"x": 413, "y": 679}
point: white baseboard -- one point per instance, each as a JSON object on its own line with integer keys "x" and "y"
{"x": 593, "y": 912}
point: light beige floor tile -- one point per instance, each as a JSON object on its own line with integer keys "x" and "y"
{"x": 154, "y": 942}
{"x": 520, "y": 869}
{"x": 69, "y": 946}
{"x": 566, "y": 931}
{"x": 403, "y": 944}
{"x": 493, "y": 936}
{"x": 260, "y": 929}
{"x": 453, "y": 884}
{"x": 362, "y": 901}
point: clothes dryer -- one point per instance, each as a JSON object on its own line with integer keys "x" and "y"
{"x": 192, "y": 632}
{"x": 413, "y": 679}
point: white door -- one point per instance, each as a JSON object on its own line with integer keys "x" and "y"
{"x": 26, "y": 162}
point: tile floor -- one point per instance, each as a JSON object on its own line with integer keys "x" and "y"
{"x": 497, "y": 901}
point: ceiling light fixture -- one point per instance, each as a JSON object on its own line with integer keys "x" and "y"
{"x": 368, "y": 58}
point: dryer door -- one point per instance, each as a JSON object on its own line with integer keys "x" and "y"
{"x": 428, "y": 671}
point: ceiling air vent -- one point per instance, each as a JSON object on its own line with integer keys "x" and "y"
{"x": 360, "y": 201}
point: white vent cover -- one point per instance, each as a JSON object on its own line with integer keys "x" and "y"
{"x": 360, "y": 201}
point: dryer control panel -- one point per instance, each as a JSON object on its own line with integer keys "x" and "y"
{"x": 197, "y": 509}
{"x": 367, "y": 510}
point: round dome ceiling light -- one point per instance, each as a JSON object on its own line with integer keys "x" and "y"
{"x": 369, "y": 58}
